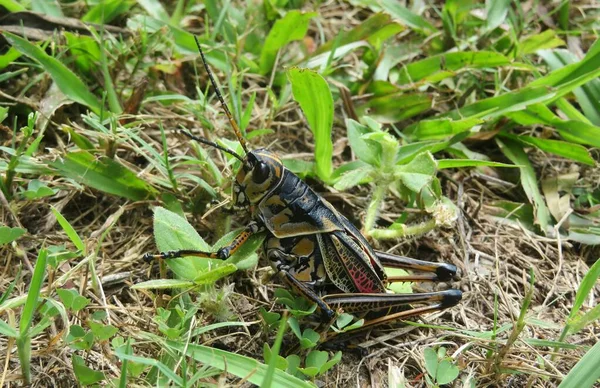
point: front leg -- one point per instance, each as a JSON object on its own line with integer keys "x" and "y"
{"x": 223, "y": 253}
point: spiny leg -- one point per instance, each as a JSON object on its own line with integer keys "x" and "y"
{"x": 362, "y": 303}
{"x": 435, "y": 271}
{"x": 222, "y": 254}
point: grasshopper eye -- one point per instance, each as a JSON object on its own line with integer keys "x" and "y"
{"x": 260, "y": 173}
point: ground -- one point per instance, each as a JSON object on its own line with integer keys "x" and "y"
{"x": 104, "y": 152}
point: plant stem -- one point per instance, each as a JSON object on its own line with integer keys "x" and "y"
{"x": 374, "y": 205}
{"x": 405, "y": 230}
{"x": 518, "y": 327}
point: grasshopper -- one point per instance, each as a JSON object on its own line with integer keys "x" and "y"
{"x": 316, "y": 250}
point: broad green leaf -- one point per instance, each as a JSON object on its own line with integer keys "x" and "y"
{"x": 291, "y": 27}
{"x": 515, "y": 153}
{"x": 496, "y": 11}
{"x": 211, "y": 276}
{"x": 104, "y": 174}
{"x": 374, "y": 26}
{"x": 85, "y": 375}
{"x": 541, "y": 41}
{"x": 13, "y": 6}
{"x": 106, "y": 11}
{"x": 238, "y": 365}
{"x": 446, "y": 372}
{"x": 588, "y": 95}
{"x": 418, "y": 172}
{"x": 431, "y": 361}
{"x": 47, "y": 7}
{"x": 316, "y": 358}
{"x": 405, "y": 16}
{"x": 71, "y": 299}
{"x": 442, "y": 128}
{"x": 398, "y": 287}
{"x": 8, "y": 234}
{"x": 309, "y": 339}
{"x": 310, "y": 371}
{"x": 586, "y": 371}
{"x": 353, "y": 178}
{"x": 458, "y": 163}
{"x": 312, "y": 93}
{"x": 583, "y": 71}
{"x": 65, "y": 79}
{"x": 367, "y": 151}
{"x": 576, "y": 131}
{"x": 438, "y": 67}
{"x": 245, "y": 257}
{"x": 557, "y": 147}
{"x": 69, "y": 230}
{"x": 102, "y": 332}
{"x": 546, "y": 89}
{"x": 329, "y": 364}
{"x": 37, "y": 189}
{"x": 155, "y": 9}
{"x": 172, "y": 232}
{"x": 395, "y": 107}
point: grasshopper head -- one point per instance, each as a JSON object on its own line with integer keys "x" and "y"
{"x": 261, "y": 172}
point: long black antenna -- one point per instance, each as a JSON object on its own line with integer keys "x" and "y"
{"x": 232, "y": 121}
{"x": 213, "y": 144}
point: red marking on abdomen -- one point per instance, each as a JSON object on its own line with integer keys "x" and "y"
{"x": 362, "y": 282}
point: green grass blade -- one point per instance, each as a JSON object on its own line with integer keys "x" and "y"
{"x": 34, "y": 292}
{"x": 587, "y": 370}
{"x": 241, "y": 366}
{"x": 163, "y": 284}
{"x": 166, "y": 370}
{"x": 515, "y": 153}
{"x": 24, "y": 339}
{"x": 312, "y": 93}
{"x": 587, "y": 95}
{"x": 7, "y": 330}
{"x": 104, "y": 174}
{"x": 457, "y": 163}
{"x": 269, "y": 376}
{"x": 65, "y": 79}
{"x": 587, "y": 284}
{"x": 69, "y": 230}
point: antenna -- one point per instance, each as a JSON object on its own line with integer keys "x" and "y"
{"x": 234, "y": 125}
{"x": 213, "y": 144}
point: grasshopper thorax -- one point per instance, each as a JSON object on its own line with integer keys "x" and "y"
{"x": 260, "y": 173}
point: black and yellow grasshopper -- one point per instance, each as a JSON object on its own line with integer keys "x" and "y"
{"x": 317, "y": 251}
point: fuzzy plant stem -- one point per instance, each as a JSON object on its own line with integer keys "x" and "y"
{"x": 374, "y": 205}
{"x": 404, "y": 231}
